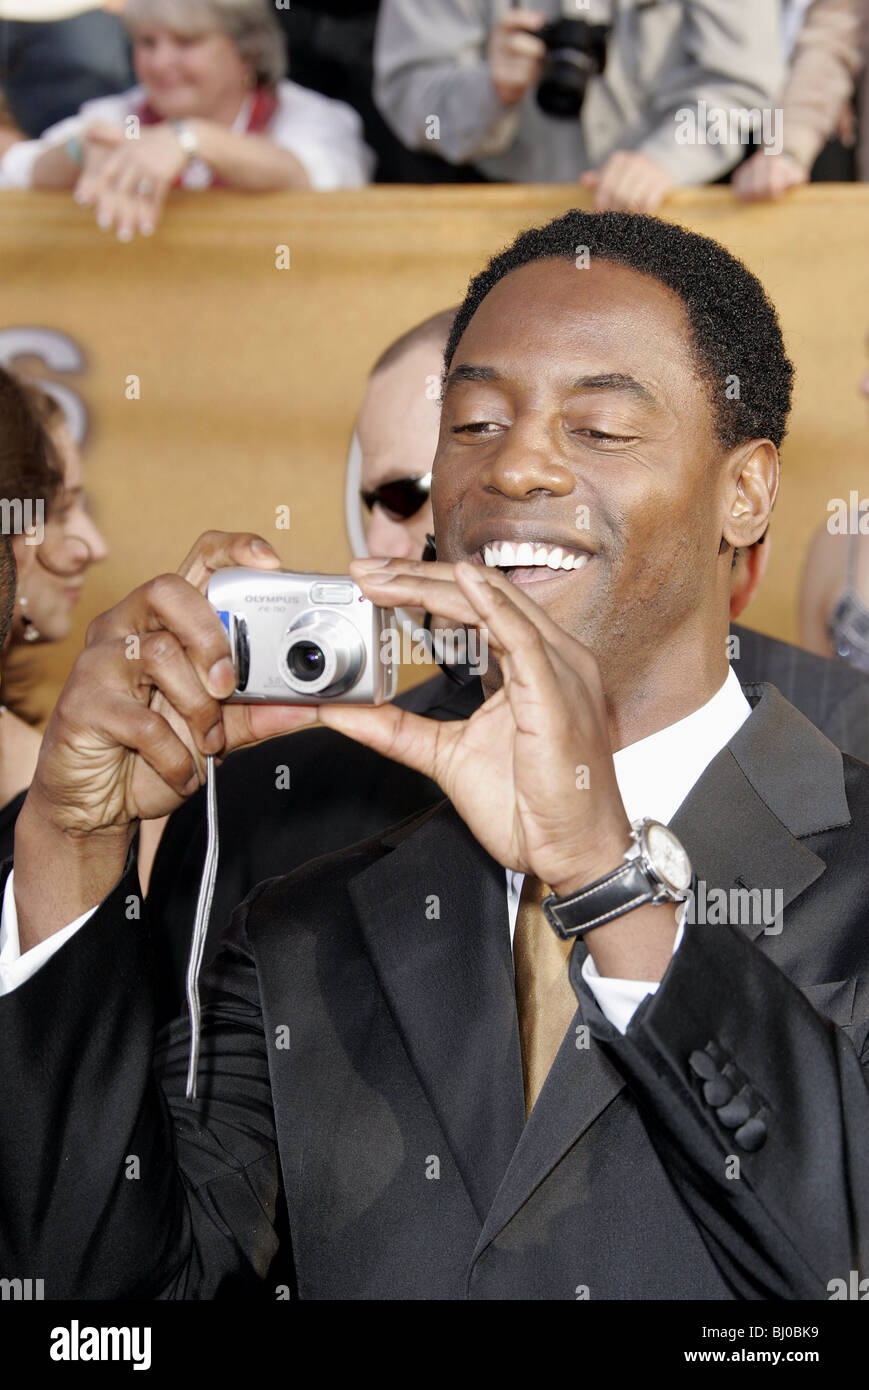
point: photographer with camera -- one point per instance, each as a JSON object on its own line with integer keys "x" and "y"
{"x": 566, "y": 92}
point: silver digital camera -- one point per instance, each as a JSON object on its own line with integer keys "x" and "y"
{"x": 303, "y": 639}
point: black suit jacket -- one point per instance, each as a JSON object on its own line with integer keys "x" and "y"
{"x": 340, "y": 793}
{"x": 360, "y": 1053}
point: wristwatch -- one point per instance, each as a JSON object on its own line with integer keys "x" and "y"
{"x": 186, "y": 139}
{"x": 656, "y": 869}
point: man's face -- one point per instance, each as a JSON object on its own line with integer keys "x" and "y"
{"x": 574, "y": 419}
{"x": 398, "y": 432}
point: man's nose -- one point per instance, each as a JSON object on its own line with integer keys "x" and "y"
{"x": 524, "y": 465}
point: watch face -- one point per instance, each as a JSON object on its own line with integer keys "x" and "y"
{"x": 667, "y": 857}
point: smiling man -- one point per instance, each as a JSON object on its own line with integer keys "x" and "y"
{"x": 494, "y": 1053}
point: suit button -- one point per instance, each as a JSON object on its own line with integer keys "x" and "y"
{"x": 718, "y": 1091}
{"x": 752, "y": 1135}
{"x": 735, "y": 1112}
{"x": 702, "y": 1065}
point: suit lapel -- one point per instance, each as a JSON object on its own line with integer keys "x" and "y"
{"x": 581, "y": 1084}
{"x": 450, "y": 986}
{"x": 434, "y": 915}
{"x": 777, "y": 778}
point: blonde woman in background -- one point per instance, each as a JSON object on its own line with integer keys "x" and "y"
{"x": 212, "y": 108}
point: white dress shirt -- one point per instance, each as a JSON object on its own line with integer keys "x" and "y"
{"x": 324, "y": 135}
{"x": 654, "y": 776}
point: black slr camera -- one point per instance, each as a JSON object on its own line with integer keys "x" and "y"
{"x": 575, "y": 51}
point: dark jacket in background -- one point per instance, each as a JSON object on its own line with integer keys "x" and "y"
{"x": 48, "y": 70}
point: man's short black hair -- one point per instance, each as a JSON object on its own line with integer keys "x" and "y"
{"x": 736, "y": 332}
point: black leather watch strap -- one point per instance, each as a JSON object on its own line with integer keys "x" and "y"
{"x": 625, "y": 888}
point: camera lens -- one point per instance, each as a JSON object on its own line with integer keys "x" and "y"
{"x": 575, "y": 52}
{"x": 306, "y": 661}
{"x": 324, "y": 655}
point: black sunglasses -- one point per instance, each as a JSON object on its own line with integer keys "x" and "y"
{"x": 401, "y": 498}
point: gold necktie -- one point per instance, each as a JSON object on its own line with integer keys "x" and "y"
{"x": 544, "y": 995}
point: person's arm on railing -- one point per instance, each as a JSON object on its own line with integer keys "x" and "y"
{"x": 823, "y": 72}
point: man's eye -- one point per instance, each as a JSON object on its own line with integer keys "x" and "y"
{"x": 610, "y": 438}
{"x": 476, "y": 427}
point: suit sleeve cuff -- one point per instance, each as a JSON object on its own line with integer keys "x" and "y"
{"x": 15, "y": 968}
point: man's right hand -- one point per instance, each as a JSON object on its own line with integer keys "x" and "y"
{"x": 130, "y": 733}
{"x": 515, "y": 54}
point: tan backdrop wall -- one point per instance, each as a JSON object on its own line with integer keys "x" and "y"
{"x": 250, "y": 375}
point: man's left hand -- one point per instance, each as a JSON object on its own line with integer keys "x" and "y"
{"x": 531, "y": 772}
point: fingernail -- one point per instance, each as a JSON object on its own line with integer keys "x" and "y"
{"x": 221, "y": 678}
{"x": 147, "y": 228}
{"x": 191, "y": 786}
{"x": 214, "y": 738}
{"x": 124, "y": 234}
{"x": 380, "y": 577}
{"x": 370, "y": 562}
{"x": 260, "y": 547}
{"x": 104, "y": 220}
{"x": 475, "y": 573}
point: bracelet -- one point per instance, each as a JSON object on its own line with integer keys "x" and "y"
{"x": 74, "y": 149}
{"x": 186, "y": 139}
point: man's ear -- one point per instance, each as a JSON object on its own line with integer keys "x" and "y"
{"x": 752, "y": 485}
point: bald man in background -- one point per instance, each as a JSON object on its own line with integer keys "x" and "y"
{"x": 397, "y": 431}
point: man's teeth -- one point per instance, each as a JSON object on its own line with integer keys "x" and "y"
{"x": 506, "y": 555}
